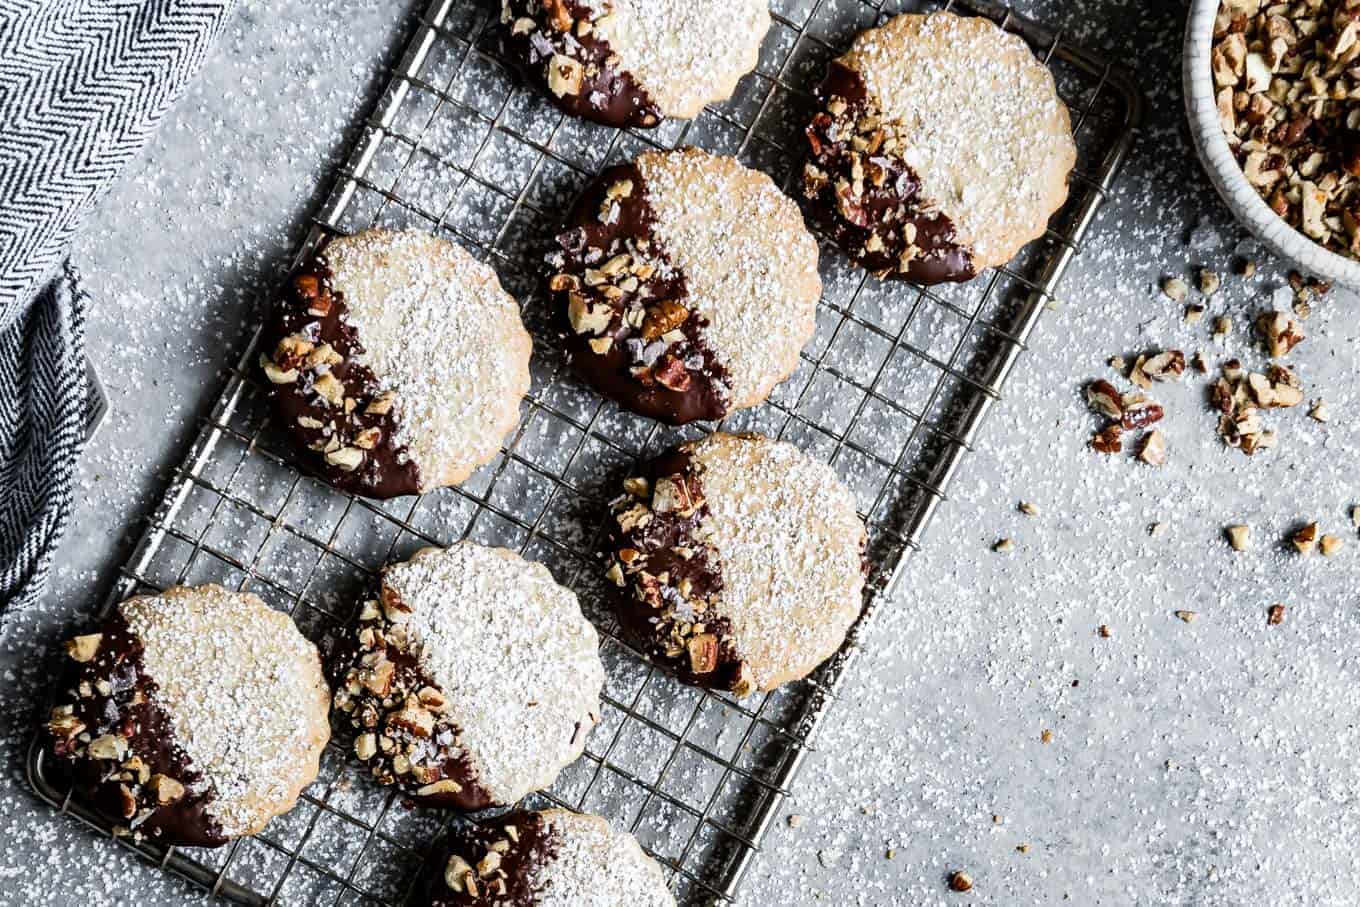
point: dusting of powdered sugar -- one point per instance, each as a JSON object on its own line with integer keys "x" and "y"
{"x": 437, "y": 329}
{"x": 788, "y": 541}
{"x": 513, "y": 655}
{"x": 749, "y": 262}
{"x": 243, "y": 692}
{"x": 592, "y": 864}
{"x": 989, "y": 138}
{"x": 684, "y": 55}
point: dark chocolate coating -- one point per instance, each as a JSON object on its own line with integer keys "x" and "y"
{"x": 372, "y": 712}
{"x": 312, "y": 309}
{"x": 131, "y": 711}
{"x": 607, "y": 94}
{"x": 632, "y": 371}
{"x": 647, "y": 604}
{"x": 531, "y": 847}
{"x": 887, "y": 205}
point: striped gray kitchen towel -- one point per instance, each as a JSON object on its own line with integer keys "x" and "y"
{"x": 83, "y": 84}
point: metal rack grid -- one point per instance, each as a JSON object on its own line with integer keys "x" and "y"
{"x": 892, "y": 392}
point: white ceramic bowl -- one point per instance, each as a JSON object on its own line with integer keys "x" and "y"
{"x": 1225, "y": 173}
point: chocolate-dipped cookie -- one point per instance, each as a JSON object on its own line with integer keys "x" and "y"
{"x": 395, "y": 362}
{"x": 552, "y": 858}
{"x": 941, "y": 148}
{"x": 633, "y": 62}
{"x": 689, "y": 285}
{"x": 739, "y": 562}
{"x": 193, "y": 717}
{"x": 472, "y": 678}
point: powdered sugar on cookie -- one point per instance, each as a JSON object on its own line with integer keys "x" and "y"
{"x": 989, "y": 138}
{"x": 686, "y": 54}
{"x": 749, "y": 262}
{"x": 789, "y": 544}
{"x": 243, "y": 692}
{"x": 513, "y": 656}
{"x": 437, "y": 329}
{"x": 593, "y": 864}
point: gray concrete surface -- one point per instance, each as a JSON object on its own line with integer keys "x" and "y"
{"x": 1204, "y": 763}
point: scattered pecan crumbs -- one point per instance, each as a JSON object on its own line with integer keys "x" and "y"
{"x": 1104, "y": 631}
{"x": 1046, "y": 736}
{"x": 1275, "y": 616}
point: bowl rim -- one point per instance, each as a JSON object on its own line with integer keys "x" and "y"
{"x": 1226, "y": 174}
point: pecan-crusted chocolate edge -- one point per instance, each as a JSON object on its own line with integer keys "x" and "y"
{"x": 119, "y": 748}
{"x": 865, "y": 195}
{"x": 497, "y": 862}
{"x": 342, "y": 421}
{"x": 668, "y": 578}
{"x": 631, "y": 329}
{"x": 403, "y": 732}
{"x": 558, "y": 47}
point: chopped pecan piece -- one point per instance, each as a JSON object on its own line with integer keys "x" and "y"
{"x": 662, "y": 318}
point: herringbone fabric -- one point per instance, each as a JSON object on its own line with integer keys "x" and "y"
{"x": 82, "y": 85}
{"x": 42, "y": 427}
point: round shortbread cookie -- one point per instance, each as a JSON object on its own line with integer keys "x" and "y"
{"x": 552, "y": 858}
{"x": 396, "y": 362}
{"x": 473, "y": 679}
{"x": 689, "y": 283}
{"x": 195, "y": 716}
{"x": 942, "y": 148}
{"x": 633, "y": 62}
{"x": 739, "y": 562}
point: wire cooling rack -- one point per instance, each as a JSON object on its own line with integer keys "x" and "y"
{"x": 891, "y": 392}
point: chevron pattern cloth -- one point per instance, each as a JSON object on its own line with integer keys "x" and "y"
{"x": 83, "y": 84}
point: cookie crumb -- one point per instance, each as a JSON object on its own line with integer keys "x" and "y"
{"x": 960, "y": 881}
{"x": 1275, "y": 616}
{"x": 1046, "y": 736}
{"x": 1209, "y": 281}
{"x": 1152, "y": 450}
{"x": 1304, "y": 540}
{"x": 1157, "y": 530}
{"x": 1028, "y": 509}
{"x": 1022, "y": 848}
{"x": 1003, "y": 545}
{"x": 1319, "y": 411}
{"x": 1222, "y": 326}
{"x": 1329, "y": 544}
{"x": 1104, "y": 631}
{"x": 795, "y": 820}
{"x": 1175, "y": 289}
{"x": 1239, "y": 537}
{"x": 1188, "y": 616}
